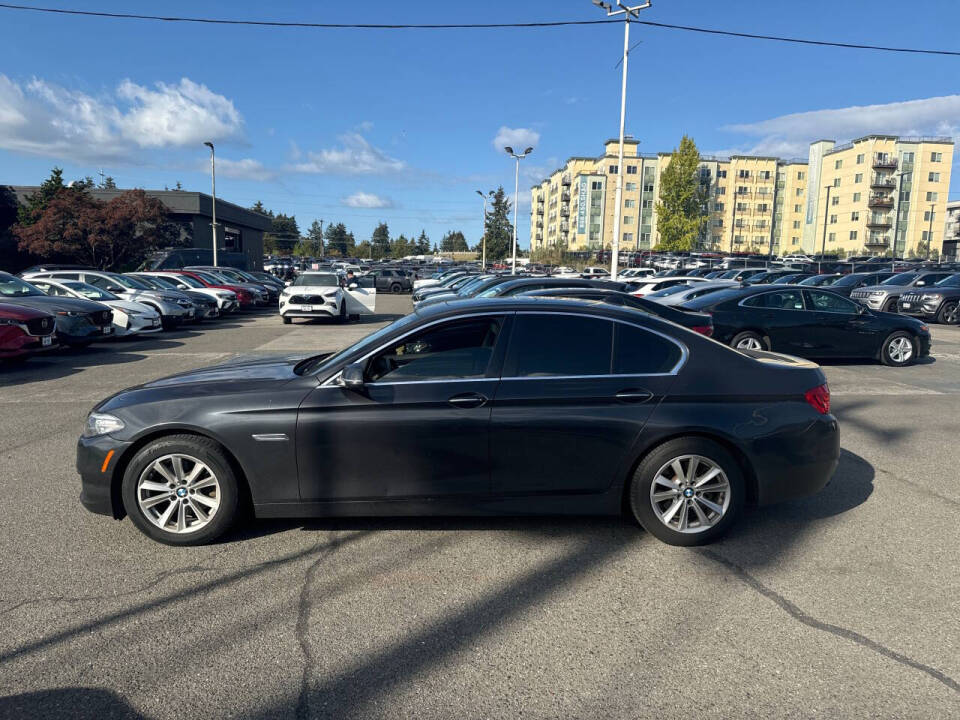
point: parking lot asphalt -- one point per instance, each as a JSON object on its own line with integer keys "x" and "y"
{"x": 842, "y": 605}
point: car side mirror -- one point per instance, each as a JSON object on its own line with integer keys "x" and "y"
{"x": 352, "y": 376}
{"x": 352, "y": 286}
{"x": 921, "y": 283}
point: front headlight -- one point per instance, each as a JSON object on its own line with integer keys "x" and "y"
{"x": 8, "y": 321}
{"x": 101, "y": 424}
{"x": 70, "y": 313}
{"x": 933, "y": 298}
{"x": 876, "y": 293}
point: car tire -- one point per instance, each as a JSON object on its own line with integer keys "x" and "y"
{"x": 192, "y": 450}
{"x": 749, "y": 340}
{"x": 396, "y": 288}
{"x": 656, "y": 487}
{"x": 890, "y": 306}
{"x": 286, "y": 320}
{"x": 895, "y": 351}
{"x": 168, "y": 323}
{"x": 949, "y": 313}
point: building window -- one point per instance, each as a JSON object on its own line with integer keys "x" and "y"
{"x": 837, "y": 164}
{"x": 612, "y": 170}
{"x": 762, "y": 207}
{"x": 628, "y": 220}
{"x": 629, "y": 203}
{"x": 765, "y": 174}
{"x": 798, "y": 208}
{"x": 833, "y": 219}
{"x": 762, "y": 190}
{"x": 933, "y": 177}
{"x": 718, "y": 206}
{"x": 628, "y": 237}
{"x": 646, "y": 204}
{"x": 860, "y": 159}
{"x": 924, "y": 236}
{"x": 631, "y": 186}
{"x": 721, "y": 191}
{"x": 854, "y": 216}
{"x": 631, "y": 169}
{"x": 721, "y": 173}
{"x": 742, "y": 190}
{"x": 718, "y": 223}
{"x": 858, "y": 178}
{"x": 853, "y": 234}
{"x": 907, "y": 157}
{"x": 794, "y": 240}
{"x": 796, "y": 224}
{"x": 645, "y": 237}
{"x": 596, "y": 185}
{"x": 799, "y": 192}
{"x": 928, "y": 216}
{"x": 742, "y": 207}
{"x": 743, "y": 174}
{"x": 836, "y": 182}
{"x": 800, "y": 174}
{"x": 936, "y": 157}
{"x": 856, "y": 197}
{"x": 832, "y": 237}
{"x": 835, "y": 200}
{"x": 931, "y": 197}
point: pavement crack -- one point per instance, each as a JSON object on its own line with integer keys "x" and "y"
{"x": 157, "y": 580}
{"x": 797, "y": 614}
{"x": 920, "y": 488}
{"x": 304, "y": 608}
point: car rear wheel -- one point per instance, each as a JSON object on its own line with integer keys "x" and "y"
{"x": 180, "y": 490}
{"x": 949, "y": 314}
{"x": 749, "y": 340}
{"x": 890, "y": 306}
{"x": 286, "y": 320}
{"x": 687, "y": 492}
{"x": 343, "y": 312}
{"x": 396, "y": 288}
{"x": 899, "y": 349}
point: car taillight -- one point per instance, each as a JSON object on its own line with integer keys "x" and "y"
{"x": 703, "y": 329}
{"x": 819, "y": 398}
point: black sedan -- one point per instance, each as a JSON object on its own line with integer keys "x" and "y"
{"x": 519, "y": 406}
{"x": 79, "y": 322}
{"x": 811, "y": 322}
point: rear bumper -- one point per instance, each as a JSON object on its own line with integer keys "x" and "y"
{"x": 96, "y": 466}
{"x": 797, "y": 462}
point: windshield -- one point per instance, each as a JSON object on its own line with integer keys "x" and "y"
{"x": 317, "y": 280}
{"x": 669, "y": 291}
{"x": 901, "y": 279}
{"x": 11, "y": 286}
{"x": 209, "y": 278}
{"x": 186, "y": 280}
{"x": 151, "y": 283}
{"x": 129, "y": 282}
{"x": 848, "y": 280}
{"x": 322, "y": 363}
{"x": 89, "y": 291}
{"x": 952, "y": 281}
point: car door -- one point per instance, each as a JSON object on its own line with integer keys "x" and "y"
{"x": 361, "y": 296}
{"x": 842, "y": 329}
{"x": 575, "y": 395}
{"x": 782, "y": 316}
{"x": 417, "y": 428}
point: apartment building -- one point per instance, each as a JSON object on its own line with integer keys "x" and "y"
{"x": 754, "y": 203}
{"x": 951, "y": 232}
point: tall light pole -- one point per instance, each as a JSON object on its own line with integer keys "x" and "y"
{"x": 627, "y": 13}
{"x": 516, "y": 199}
{"x": 483, "y": 231}
{"x": 213, "y": 188}
{"x": 930, "y": 232}
{"x": 823, "y": 247}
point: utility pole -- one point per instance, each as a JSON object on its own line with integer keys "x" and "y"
{"x": 483, "y": 231}
{"x": 733, "y": 220}
{"x": 213, "y": 188}
{"x": 516, "y": 199}
{"x": 101, "y": 177}
{"x": 321, "y": 239}
{"x": 930, "y": 231}
{"x": 823, "y": 247}
{"x": 627, "y": 13}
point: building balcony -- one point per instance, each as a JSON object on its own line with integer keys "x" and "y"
{"x": 540, "y": 210}
{"x": 879, "y": 221}
{"x": 539, "y": 223}
{"x": 882, "y": 182}
{"x": 540, "y": 200}
{"x": 885, "y": 162}
{"x": 564, "y": 227}
{"x": 880, "y": 200}
{"x": 565, "y": 180}
{"x": 564, "y": 212}
{"x": 565, "y": 196}
{"x": 879, "y": 241}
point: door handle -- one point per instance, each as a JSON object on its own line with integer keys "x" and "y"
{"x": 468, "y": 400}
{"x": 633, "y": 396}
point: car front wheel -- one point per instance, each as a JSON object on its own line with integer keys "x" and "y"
{"x": 396, "y": 288}
{"x": 949, "y": 314}
{"x": 180, "y": 490}
{"x": 687, "y": 491}
{"x": 899, "y": 349}
{"x": 749, "y": 340}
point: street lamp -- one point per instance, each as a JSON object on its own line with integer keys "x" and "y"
{"x": 826, "y": 213}
{"x": 516, "y": 199}
{"x": 930, "y": 232}
{"x": 627, "y": 13}
{"x": 483, "y": 230}
{"x": 213, "y": 188}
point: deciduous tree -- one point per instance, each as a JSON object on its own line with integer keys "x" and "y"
{"x": 680, "y": 209}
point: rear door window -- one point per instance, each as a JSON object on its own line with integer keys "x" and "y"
{"x": 640, "y": 352}
{"x": 550, "y": 345}
{"x": 779, "y": 300}
{"x": 828, "y": 302}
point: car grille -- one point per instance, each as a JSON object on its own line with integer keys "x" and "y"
{"x": 306, "y": 299}
{"x": 912, "y": 298}
{"x": 40, "y": 326}
{"x": 859, "y": 294}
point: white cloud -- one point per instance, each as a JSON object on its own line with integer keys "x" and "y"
{"x": 365, "y": 126}
{"x": 244, "y": 169}
{"x": 354, "y": 156}
{"x": 366, "y": 200}
{"x": 42, "y": 118}
{"x": 517, "y": 138}
{"x": 792, "y": 134}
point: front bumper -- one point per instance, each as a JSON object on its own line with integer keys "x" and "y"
{"x": 97, "y": 460}
{"x": 80, "y": 330}
{"x": 874, "y": 303}
{"x": 315, "y": 311}
{"x": 14, "y": 342}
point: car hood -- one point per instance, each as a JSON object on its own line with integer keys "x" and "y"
{"x": 234, "y": 372}
{"x": 20, "y": 312}
{"x": 54, "y": 304}
{"x": 130, "y": 305}
{"x": 885, "y": 288}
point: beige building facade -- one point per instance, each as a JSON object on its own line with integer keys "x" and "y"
{"x": 755, "y": 203}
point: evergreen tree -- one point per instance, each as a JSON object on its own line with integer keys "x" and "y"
{"x": 680, "y": 210}
{"x": 315, "y": 239}
{"x": 423, "y": 244}
{"x": 339, "y": 241}
{"x": 380, "y": 241}
{"x": 498, "y": 229}
{"x": 29, "y": 212}
{"x": 401, "y": 247}
{"x": 364, "y": 249}
{"x": 454, "y": 241}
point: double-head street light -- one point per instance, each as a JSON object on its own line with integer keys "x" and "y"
{"x": 213, "y": 189}
{"x": 516, "y": 199}
{"x": 627, "y": 12}
{"x": 483, "y": 230}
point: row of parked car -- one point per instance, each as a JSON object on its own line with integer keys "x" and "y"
{"x": 814, "y": 318}
{"x": 49, "y": 306}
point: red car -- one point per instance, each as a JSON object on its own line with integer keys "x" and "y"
{"x": 24, "y": 331}
{"x": 244, "y": 297}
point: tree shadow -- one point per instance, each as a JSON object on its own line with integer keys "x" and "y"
{"x": 69, "y": 703}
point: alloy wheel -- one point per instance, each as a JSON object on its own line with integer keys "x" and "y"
{"x": 951, "y": 314}
{"x": 690, "y": 493}
{"x": 749, "y": 343}
{"x": 900, "y": 349}
{"x": 178, "y": 493}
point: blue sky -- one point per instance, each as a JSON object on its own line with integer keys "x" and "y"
{"x": 362, "y": 126}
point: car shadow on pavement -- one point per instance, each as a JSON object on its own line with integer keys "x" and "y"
{"x": 60, "y": 364}
{"x": 68, "y": 703}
